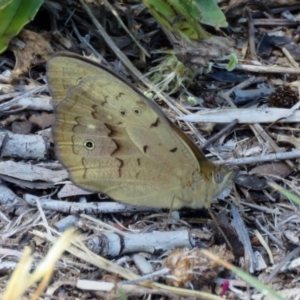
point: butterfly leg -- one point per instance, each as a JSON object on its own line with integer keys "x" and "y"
{"x": 169, "y": 214}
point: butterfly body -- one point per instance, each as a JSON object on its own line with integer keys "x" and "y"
{"x": 114, "y": 140}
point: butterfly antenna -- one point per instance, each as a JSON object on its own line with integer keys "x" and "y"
{"x": 220, "y": 229}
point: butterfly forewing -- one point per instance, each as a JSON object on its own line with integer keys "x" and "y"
{"x": 114, "y": 140}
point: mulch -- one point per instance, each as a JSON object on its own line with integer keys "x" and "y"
{"x": 247, "y": 119}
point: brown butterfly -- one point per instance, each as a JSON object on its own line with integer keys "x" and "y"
{"x": 114, "y": 140}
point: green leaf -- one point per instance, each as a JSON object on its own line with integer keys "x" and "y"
{"x": 14, "y": 15}
{"x": 209, "y": 68}
{"x": 186, "y": 8}
{"x": 191, "y": 100}
{"x": 211, "y": 13}
{"x": 180, "y": 17}
{"x": 3, "y": 3}
{"x": 286, "y": 193}
{"x": 7, "y": 13}
{"x": 257, "y": 284}
{"x": 122, "y": 295}
{"x": 233, "y": 62}
{"x": 268, "y": 291}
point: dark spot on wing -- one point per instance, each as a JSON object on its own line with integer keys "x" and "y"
{"x": 73, "y": 143}
{"x": 120, "y": 166}
{"x": 119, "y": 96}
{"x": 77, "y": 121}
{"x": 145, "y": 148}
{"x": 85, "y": 169}
{"x": 173, "y": 150}
{"x": 95, "y": 111}
{"x": 155, "y": 124}
{"x": 138, "y": 161}
{"x": 104, "y": 101}
{"x": 118, "y": 147}
{"x": 112, "y": 130}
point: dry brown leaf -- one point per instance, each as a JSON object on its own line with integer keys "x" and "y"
{"x": 36, "y": 50}
{"x": 190, "y": 266}
{"x": 277, "y": 168}
{"x": 43, "y": 120}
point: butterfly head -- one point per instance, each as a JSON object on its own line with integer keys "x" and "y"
{"x": 221, "y": 177}
{"x": 216, "y": 179}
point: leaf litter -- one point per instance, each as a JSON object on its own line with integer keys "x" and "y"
{"x": 38, "y": 200}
